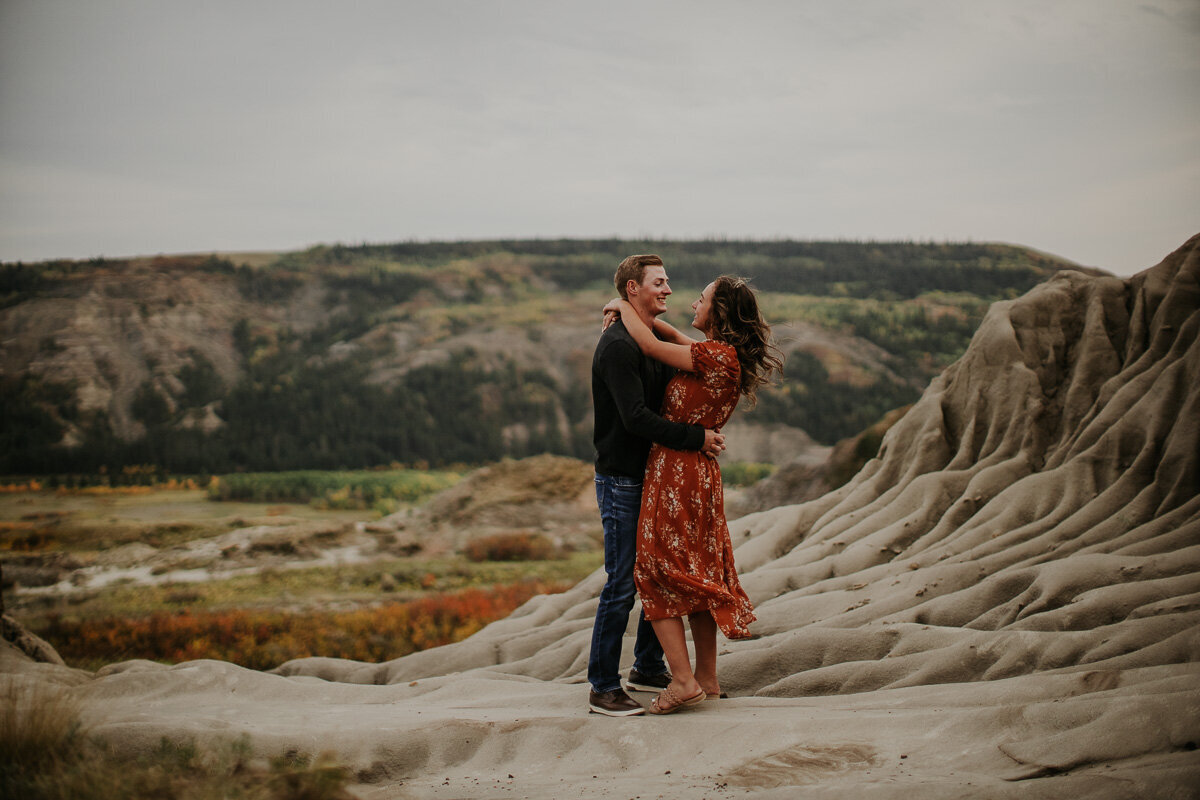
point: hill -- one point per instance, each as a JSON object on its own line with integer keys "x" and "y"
{"x": 342, "y": 357}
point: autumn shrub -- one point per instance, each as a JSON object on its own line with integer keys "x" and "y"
{"x": 15, "y": 487}
{"x": 263, "y": 639}
{"x": 24, "y": 536}
{"x": 511, "y": 546}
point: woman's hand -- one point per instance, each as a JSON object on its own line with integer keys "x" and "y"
{"x": 674, "y": 355}
{"x": 612, "y": 313}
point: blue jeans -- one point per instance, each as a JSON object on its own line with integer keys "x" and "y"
{"x": 620, "y": 500}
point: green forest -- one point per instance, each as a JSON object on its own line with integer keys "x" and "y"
{"x": 309, "y": 392}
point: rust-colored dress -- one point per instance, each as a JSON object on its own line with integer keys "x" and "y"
{"x": 684, "y": 555}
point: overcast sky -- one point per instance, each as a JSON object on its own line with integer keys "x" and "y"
{"x": 163, "y": 126}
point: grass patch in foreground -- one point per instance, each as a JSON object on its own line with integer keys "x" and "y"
{"x": 266, "y": 638}
{"x": 45, "y": 755}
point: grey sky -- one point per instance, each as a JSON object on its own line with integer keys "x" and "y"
{"x": 130, "y": 127}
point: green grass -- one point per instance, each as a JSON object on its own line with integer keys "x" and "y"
{"x": 384, "y": 490}
{"x": 100, "y": 518}
{"x": 48, "y": 521}
{"x": 745, "y": 473}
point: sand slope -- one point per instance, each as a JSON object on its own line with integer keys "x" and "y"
{"x": 1006, "y": 602}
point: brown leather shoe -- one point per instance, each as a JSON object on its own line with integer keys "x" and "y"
{"x": 614, "y": 704}
{"x": 639, "y": 682}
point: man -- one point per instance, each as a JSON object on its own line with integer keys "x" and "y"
{"x": 627, "y": 393}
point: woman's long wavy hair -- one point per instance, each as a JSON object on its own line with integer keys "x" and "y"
{"x": 736, "y": 320}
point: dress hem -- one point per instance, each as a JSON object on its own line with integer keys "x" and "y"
{"x": 728, "y": 613}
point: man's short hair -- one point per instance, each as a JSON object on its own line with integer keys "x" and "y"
{"x": 634, "y": 269}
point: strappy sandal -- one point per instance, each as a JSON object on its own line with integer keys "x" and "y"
{"x": 656, "y": 706}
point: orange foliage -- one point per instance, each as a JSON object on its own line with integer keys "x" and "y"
{"x": 101, "y": 490}
{"x": 262, "y": 639}
{"x": 31, "y": 486}
{"x": 170, "y": 484}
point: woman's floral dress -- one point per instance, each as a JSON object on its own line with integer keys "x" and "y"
{"x": 684, "y": 556}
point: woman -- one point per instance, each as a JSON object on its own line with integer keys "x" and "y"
{"x": 684, "y": 555}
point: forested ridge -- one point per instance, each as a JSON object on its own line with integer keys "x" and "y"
{"x": 442, "y": 352}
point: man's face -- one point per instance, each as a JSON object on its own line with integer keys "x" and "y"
{"x": 651, "y": 295}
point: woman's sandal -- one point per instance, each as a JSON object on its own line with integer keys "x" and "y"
{"x": 656, "y": 706}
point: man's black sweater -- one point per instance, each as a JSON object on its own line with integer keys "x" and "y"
{"x": 627, "y": 395}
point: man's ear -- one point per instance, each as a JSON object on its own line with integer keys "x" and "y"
{"x": 631, "y": 287}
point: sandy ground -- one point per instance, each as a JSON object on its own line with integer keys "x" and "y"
{"x": 483, "y": 734}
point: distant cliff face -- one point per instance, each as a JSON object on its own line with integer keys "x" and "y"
{"x": 361, "y": 356}
{"x": 112, "y": 333}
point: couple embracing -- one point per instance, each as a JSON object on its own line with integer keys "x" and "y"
{"x": 660, "y": 399}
